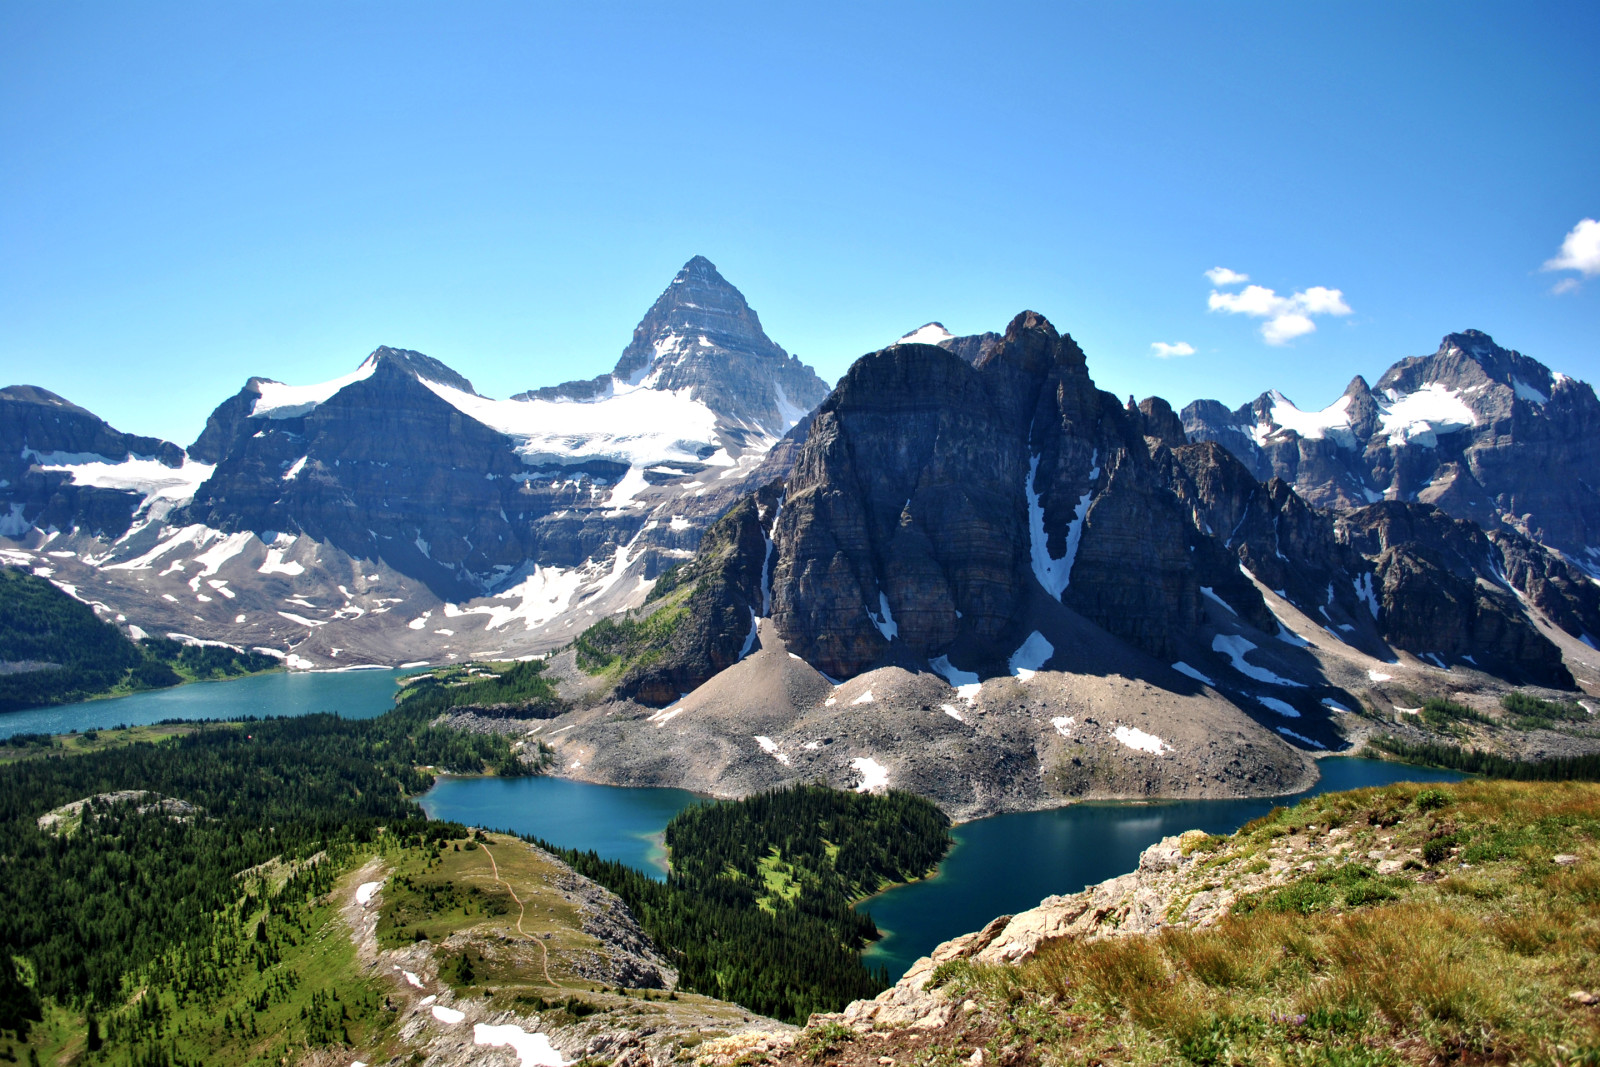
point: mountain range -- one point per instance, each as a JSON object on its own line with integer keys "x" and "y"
{"x": 965, "y": 568}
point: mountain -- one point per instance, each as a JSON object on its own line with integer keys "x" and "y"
{"x": 349, "y": 520}
{"x": 1483, "y": 432}
{"x": 997, "y": 582}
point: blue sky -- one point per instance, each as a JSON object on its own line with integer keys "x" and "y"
{"x": 190, "y": 194}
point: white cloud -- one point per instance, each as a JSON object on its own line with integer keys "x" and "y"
{"x": 1580, "y": 251}
{"x": 1162, "y": 350}
{"x": 1566, "y": 285}
{"x": 1287, "y": 317}
{"x": 1224, "y": 276}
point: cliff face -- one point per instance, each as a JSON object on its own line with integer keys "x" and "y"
{"x": 932, "y": 493}
{"x": 1485, "y": 433}
{"x": 933, "y": 498}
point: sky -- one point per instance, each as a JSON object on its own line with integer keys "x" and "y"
{"x": 191, "y": 194}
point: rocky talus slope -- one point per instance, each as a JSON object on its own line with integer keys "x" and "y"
{"x": 1407, "y": 924}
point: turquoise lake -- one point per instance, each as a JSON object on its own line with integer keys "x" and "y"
{"x": 353, "y": 694}
{"x": 999, "y": 865}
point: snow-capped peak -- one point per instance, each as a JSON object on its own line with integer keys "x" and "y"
{"x": 932, "y": 333}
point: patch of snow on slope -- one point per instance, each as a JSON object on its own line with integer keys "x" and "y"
{"x": 1419, "y": 417}
{"x": 1183, "y": 668}
{"x": 1332, "y": 422}
{"x": 212, "y": 559}
{"x": 1030, "y": 659}
{"x": 195, "y": 534}
{"x": 1054, "y": 574}
{"x": 1211, "y": 594}
{"x": 1140, "y": 741}
{"x": 630, "y": 424}
{"x": 966, "y": 683}
{"x": 541, "y": 596}
{"x": 533, "y": 1050}
{"x": 294, "y": 469}
{"x": 864, "y": 698}
{"x": 770, "y": 747}
{"x": 167, "y": 487}
{"x": 1377, "y": 677}
{"x": 884, "y": 619}
{"x": 1282, "y": 707}
{"x": 1329, "y": 702}
{"x": 931, "y": 334}
{"x": 1063, "y": 724}
{"x": 1364, "y": 590}
{"x": 1302, "y": 738}
{"x": 448, "y": 1016}
{"x": 1528, "y": 392}
{"x": 790, "y": 412}
{"x": 874, "y": 775}
{"x": 365, "y": 890}
{"x": 1234, "y": 647}
{"x": 750, "y": 638}
{"x": 279, "y": 401}
{"x": 958, "y": 717}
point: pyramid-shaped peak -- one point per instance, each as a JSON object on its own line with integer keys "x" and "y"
{"x": 420, "y": 366}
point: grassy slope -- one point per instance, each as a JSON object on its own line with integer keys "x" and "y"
{"x": 1467, "y": 953}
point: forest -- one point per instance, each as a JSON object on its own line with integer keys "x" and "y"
{"x": 89, "y": 907}
{"x": 74, "y": 655}
{"x": 485, "y": 687}
{"x": 759, "y": 905}
{"x": 1489, "y": 764}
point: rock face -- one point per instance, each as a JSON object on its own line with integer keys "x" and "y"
{"x": 714, "y": 601}
{"x": 931, "y": 495}
{"x": 1483, "y": 432}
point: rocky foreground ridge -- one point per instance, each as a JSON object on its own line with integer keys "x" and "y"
{"x": 1409, "y": 924}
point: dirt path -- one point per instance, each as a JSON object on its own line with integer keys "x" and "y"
{"x": 521, "y": 912}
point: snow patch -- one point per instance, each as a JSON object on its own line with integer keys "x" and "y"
{"x": 1282, "y": 707}
{"x": 162, "y": 487}
{"x": 448, "y": 1016}
{"x": 931, "y": 334}
{"x": 770, "y": 747}
{"x": 1332, "y": 422}
{"x": 1063, "y": 724}
{"x": 1377, "y": 677}
{"x": 884, "y": 620}
{"x": 874, "y": 775}
{"x": 1302, "y": 738}
{"x": 750, "y": 638}
{"x": 1030, "y": 659}
{"x": 864, "y": 698}
{"x": 966, "y": 683}
{"x": 1183, "y": 668}
{"x": 365, "y": 890}
{"x": 1054, "y": 574}
{"x": 1234, "y": 647}
{"x": 1419, "y": 417}
{"x": 279, "y": 401}
{"x": 541, "y": 596}
{"x": 952, "y": 712}
{"x": 1139, "y": 741}
{"x": 1211, "y": 594}
{"x": 533, "y": 1050}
